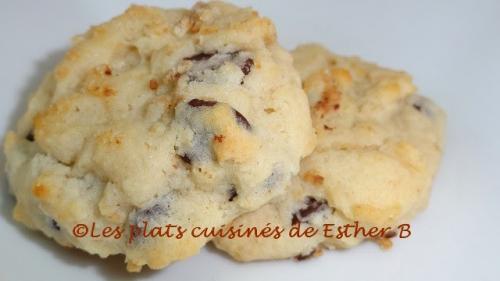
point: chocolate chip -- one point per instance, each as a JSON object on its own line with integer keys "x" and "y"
{"x": 30, "y": 137}
{"x": 302, "y": 257}
{"x": 200, "y": 56}
{"x": 312, "y": 205}
{"x": 232, "y": 193}
{"x": 150, "y": 213}
{"x": 107, "y": 70}
{"x": 190, "y": 114}
{"x": 423, "y": 105}
{"x": 390, "y": 234}
{"x": 185, "y": 158}
{"x": 242, "y": 120}
{"x": 55, "y": 225}
{"x": 203, "y": 63}
{"x": 199, "y": 103}
{"x": 155, "y": 213}
{"x": 247, "y": 66}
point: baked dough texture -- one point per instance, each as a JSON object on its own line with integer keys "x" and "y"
{"x": 189, "y": 117}
{"x": 379, "y": 146}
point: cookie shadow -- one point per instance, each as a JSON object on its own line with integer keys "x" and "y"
{"x": 112, "y": 268}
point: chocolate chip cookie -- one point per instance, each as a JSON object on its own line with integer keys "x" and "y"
{"x": 186, "y": 117}
{"x": 379, "y": 146}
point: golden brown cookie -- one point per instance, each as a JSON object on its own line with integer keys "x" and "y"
{"x": 161, "y": 116}
{"x": 379, "y": 145}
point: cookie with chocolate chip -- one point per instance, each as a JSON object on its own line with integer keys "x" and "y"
{"x": 379, "y": 146}
{"x": 183, "y": 117}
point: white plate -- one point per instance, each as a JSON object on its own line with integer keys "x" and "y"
{"x": 452, "y": 49}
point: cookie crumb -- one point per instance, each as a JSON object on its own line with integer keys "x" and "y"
{"x": 312, "y": 177}
{"x": 153, "y": 84}
{"x": 219, "y": 138}
{"x": 384, "y": 243}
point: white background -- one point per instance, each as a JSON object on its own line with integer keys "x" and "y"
{"x": 452, "y": 48}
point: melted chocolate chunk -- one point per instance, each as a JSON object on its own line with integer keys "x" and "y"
{"x": 204, "y": 62}
{"x": 302, "y": 257}
{"x": 198, "y": 150}
{"x": 30, "y": 137}
{"x": 199, "y": 103}
{"x": 242, "y": 120}
{"x": 55, "y": 225}
{"x": 417, "y": 107}
{"x": 312, "y": 206}
{"x": 247, "y": 66}
{"x": 232, "y": 193}
{"x": 185, "y": 158}
{"x": 200, "y": 56}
